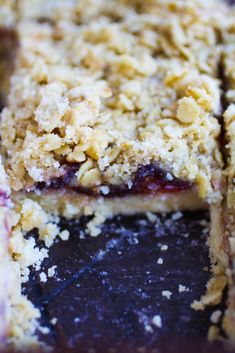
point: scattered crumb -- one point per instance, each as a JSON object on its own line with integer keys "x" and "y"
{"x": 183, "y": 289}
{"x": 177, "y": 215}
{"x": 167, "y": 294}
{"x": 43, "y": 277}
{"x": 148, "y": 328}
{"x": 215, "y": 316}
{"x": 204, "y": 223}
{"x": 54, "y": 321}
{"x": 151, "y": 217}
{"x": 197, "y": 305}
{"x": 51, "y": 271}
{"x": 186, "y": 235}
{"x": 157, "y": 321}
{"x": 64, "y": 235}
{"x": 164, "y": 247}
{"x": 130, "y": 184}
{"x": 169, "y": 176}
{"x": 105, "y": 190}
{"x": 213, "y": 333}
{"x": 205, "y": 230}
{"x": 44, "y": 330}
{"x": 160, "y": 261}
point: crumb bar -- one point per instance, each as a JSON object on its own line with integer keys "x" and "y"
{"x": 113, "y": 108}
{"x": 108, "y": 100}
{"x": 229, "y": 121}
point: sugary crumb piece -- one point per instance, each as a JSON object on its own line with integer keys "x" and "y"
{"x": 151, "y": 217}
{"x": 105, "y": 190}
{"x": 177, "y": 215}
{"x": 43, "y": 277}
{"x": 167, "y": 294}
{"x": 157, "y": 321}
{"x": 160, "y": 261}
{"x": 51, "y": 271}
{"x": 44, "y": 330}
{"x": 164, "y": 247}
{"x": 148, "y": 328}
{"x": 182, "y": 288}
{"x": 54, "y": 321}
{"x": 64, "y": 235}
{"x": 215, "y": 316}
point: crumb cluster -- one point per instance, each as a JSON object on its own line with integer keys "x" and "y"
{"x": 122, "y": 85}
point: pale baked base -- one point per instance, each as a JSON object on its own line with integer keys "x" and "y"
{"x": 71, "y": 204}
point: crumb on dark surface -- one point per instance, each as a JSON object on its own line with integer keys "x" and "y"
{"x": 106, "y": 291}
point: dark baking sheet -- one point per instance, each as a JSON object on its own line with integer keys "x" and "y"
{"x": 107, "y": 290}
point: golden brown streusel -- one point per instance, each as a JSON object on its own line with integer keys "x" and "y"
{"x": 114, "y": 94}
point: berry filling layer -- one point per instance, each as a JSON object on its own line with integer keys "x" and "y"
{"x": 148, "y": 180}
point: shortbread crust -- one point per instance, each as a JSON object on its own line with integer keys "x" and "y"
{"x": 139, "y": 85}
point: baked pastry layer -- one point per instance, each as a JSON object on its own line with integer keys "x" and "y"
{"x": 113, "y": 95}
{"x": 103, "y": 92}
{"x": 70, "y": 204}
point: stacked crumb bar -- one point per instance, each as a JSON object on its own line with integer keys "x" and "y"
{"x": 111, "y": 107}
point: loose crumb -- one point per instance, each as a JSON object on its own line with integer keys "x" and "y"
{"x": 177, "y": 215}
{"x": 160, "y": 261}
{"x": 54, "y": 321}
{"x": 51, "y": 271}
{"x": 167, "y": 294}
{"x": 151, "y": 217}
{"x": 157, "y": 321}
{"x": 64, "y": 235}
{"x": 183, "y": 289}
{"x": 43, "y": 277}
{"x": 44, "y": 330}
{"x": 215, "y": 316}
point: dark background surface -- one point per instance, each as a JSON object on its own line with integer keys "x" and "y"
{"x": 107, "y": 290}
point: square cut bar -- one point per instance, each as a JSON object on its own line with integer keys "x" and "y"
{"x": 112, "y": 108}
{"x": 229, "y": 207}
{"x": 107, "y": 99}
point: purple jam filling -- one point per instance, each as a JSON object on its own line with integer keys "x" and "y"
{"x": 4, "y": 199}
{"x": 149, "y": 180}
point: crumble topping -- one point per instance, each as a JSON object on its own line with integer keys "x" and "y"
{"x": 113, "y": 95}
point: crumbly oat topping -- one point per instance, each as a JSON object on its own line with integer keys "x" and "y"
{"x": 7, "y": 13}
{"x": 115, "y": 94}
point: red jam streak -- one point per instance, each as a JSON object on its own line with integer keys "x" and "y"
{"x": 148, "y": 180}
